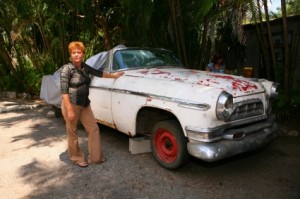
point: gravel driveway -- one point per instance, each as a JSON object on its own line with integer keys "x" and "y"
{"x": 34, "y": 164}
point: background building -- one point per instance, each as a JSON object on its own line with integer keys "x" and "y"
{"x": 253, "y": 53}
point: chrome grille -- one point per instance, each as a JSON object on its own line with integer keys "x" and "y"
{"x": 246, "y": 109}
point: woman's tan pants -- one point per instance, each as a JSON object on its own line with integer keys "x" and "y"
{"x": 86, "y": 116}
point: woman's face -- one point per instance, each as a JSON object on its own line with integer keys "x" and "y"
{"x": 77, "y": 55}
{"x": 220, "y": 61}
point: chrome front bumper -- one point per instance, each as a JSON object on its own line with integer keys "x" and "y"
{"x": 220, "y": 149}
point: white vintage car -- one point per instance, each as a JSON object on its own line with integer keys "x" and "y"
{"x": 184, "y": 112}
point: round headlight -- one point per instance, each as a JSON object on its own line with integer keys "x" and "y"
{"x": 274, "y": 90}
{"x": 224, "y": 106}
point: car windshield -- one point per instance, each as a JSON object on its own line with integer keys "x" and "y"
{"x": 141, "y": 58}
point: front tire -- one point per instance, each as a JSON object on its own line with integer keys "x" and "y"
{"x": 169, "y": 145}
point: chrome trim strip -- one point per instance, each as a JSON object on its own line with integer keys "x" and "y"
{"x": 228, "y": 125}
{"x": 102, "y": 88}
{"x": 200, "y": 107}
{"x": 181, "y": 103}
{"x": 221, "y": 133}
{"x": 226, "y": 148}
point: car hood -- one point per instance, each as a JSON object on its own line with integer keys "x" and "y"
{"x": 236, "y": 85}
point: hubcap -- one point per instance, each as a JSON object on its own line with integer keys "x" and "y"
{"x": 166, "y": 145}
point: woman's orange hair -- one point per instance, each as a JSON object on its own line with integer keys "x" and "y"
{"x": 76, "y": 44}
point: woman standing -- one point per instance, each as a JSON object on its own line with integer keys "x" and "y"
{"x": 76, "y": 107}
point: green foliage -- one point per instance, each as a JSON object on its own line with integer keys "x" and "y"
{"x": 26, "y": 80}
{"x": 32, "y": 81}
{"x": 295, "y": 98}
{"x": 8, "y": 83}
{"x": 137, "y": 16}
{"x": 282, "y": 108}
{"x": 285, "y": 105}
{"x": 293, "y": 7}
{"x": 48, "y": 67}
{"x": 35, "y": 33}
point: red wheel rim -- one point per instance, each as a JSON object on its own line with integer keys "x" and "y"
{"x": 166, "y": 145}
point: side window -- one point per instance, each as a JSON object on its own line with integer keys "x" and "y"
{"x": 117, "y": 61}
{"x": 132, "y": 58}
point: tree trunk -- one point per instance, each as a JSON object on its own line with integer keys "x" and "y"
{"x": 181, "y": 33}
{"x": 272, "y": 68}
{"x": 106, "y": 35}
{"x": 178, "y": 30}
{"x": 175, "y": 28}
{"x": 286, "y": 51}
{"x": 101, "y": 22}
{"x": 203, "y": 61}
{"x": 263, "y": 42}
{"x": 293, "y": 54}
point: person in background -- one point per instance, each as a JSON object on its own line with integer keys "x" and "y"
{"x": 217, "y": 65}
{"x": 75, "y": 80}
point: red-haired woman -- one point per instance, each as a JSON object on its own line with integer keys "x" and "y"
{"x": 75, "y": 80}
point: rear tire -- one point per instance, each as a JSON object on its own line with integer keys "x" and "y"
{"x": 169, "y": 145}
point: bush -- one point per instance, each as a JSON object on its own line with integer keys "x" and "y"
{"x": 284, "y": 105}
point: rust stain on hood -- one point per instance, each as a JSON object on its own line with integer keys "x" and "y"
{"x": 235, "y": 85}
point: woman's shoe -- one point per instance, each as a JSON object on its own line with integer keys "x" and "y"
{"x": 82, "y": 164}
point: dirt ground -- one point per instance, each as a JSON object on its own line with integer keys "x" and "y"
{"x": 34, "y": 164}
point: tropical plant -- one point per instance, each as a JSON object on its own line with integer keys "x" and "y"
{"x": 35, "y": 33}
